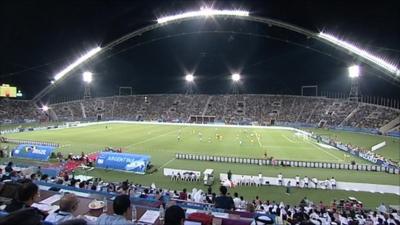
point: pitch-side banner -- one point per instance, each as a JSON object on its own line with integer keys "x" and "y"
{"x": 37, "y": 152}
{"x": 123, "y": 161}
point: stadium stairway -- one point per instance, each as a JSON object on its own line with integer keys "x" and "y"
{"x": 390, "y": 126}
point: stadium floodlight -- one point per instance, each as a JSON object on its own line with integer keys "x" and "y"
{"x": 204, "y": 12}
{"x": 189, "y": 78}
{"x": 354, "y": 71}
{"x": 77, "y": 63}
{"x": 362, "y": 53}
{"x": 236, "y": 77}
{"x": 45, "y": 108}
{"x": 87, "y": 77}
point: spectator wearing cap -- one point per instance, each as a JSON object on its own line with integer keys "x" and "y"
{"x": 68, "y": 205}
{"x": 121, "y": 207}
{"x": 174, "y": 215}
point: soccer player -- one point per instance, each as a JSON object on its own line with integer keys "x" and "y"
{"x": 326, "y": 183}
{"x": 240, "y": 142}
{"x": 315, "y": 181}
{"x": 333, "y": 183}
{"x": 241, "y": 181}
{"x": 305, "y": 181}
{"x": 297, "y": 181}
{"x": 179, "y": 138}
{"x": 252, "y": 181}
{"x": 280, "y": 179}
{"x": 260, "y": 179}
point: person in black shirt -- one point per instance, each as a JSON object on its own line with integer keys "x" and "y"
{"x": 174, "y": 215}
{"x": 9, "y": 168}
{"x": 27, "y": 195}
{"x": 229, "y": 175}
{"x": 223, "y": 201}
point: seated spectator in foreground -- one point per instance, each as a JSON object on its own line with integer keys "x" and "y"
{"x": 183, "y": 195}
{"x": 223, "y": 201}
{"x": 26, "y": 216}
{"x": 9, "y": 168}
{"x": 27, "y": 194}
{"x": 121, "y": 206}
{"x": 174, "y": 215}
{"x": 74, "y": 222}
{"x": 68, "y": 204}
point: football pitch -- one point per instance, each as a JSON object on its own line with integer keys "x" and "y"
{"x": 161, "y": 142}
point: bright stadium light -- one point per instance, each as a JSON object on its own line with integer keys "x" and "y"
{"x": 204, "y": 12}
{"x": 235, "y": 77}
{"x": 77, "y": 63}
{"x": 87, "y": 77}
{"x": 189, "y": 78}
{"x": 362, "y": 53}
{"x": 354, "y": 71}
{"x": 45, "y": 108}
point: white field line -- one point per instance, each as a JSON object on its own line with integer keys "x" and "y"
{"x": 327, "y": 152}
{"x": 258, "y": 139}
{"x": 149, "y": 139}
{"x": 288, "y": 138}
{"x": 165, "y": 164}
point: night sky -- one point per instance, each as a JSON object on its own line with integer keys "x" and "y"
{"x": 40, "y": 38}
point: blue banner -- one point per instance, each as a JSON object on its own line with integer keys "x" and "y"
{"x": 123, "y": 161}
{"x": 37, "y": 152}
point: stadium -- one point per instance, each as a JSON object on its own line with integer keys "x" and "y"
{"x": 228, "y": 117}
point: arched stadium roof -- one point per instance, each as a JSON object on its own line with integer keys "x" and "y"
{"x": 388, "y": 69}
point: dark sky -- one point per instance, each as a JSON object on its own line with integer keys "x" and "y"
{"x": 40, "y": 38}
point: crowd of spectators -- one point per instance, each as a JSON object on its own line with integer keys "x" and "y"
{"x": 306, "y": 212}
{"x": 230, "y": 109}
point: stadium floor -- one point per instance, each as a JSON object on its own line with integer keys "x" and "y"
{"x": 161, "y": 142}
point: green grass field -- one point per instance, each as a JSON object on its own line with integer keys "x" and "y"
{"x": 161, "y": 142}
{"x": 390, "y": 151}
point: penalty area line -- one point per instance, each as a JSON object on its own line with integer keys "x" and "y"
{"x": 288, "y": 138}
{"x": 165, "y": 164}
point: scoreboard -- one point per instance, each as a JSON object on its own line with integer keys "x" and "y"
{"x": 8, "y": 91}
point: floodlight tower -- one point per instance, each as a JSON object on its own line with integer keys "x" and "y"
{"x": 235, "y": 83}
{"x": 189, "y": 78}
{"x": 87, "y": 79}
{"x": 354, "y": 74}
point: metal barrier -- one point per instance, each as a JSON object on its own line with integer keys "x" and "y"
{"x": 290, "y": 163}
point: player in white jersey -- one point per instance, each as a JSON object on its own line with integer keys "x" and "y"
{"x": 315, "y": 181}
{"x": 333, "y": 183}
{"x": 260, "y": 179}
{"x": 297, "y": 181}
{"x": 280, "y": 179}
{"x": 305, "y": 181}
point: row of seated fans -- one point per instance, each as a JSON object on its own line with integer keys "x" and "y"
{"x": 343, "y": 212}
{"x": 231, "y": 109}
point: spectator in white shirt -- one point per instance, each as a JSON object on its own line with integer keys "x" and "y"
{"x": 236, "y": 200}
{"x": 382, "y": 208}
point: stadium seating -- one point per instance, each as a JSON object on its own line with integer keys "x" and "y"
{"x": 230, "y": 109}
